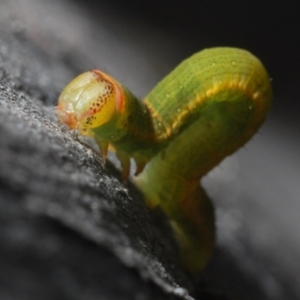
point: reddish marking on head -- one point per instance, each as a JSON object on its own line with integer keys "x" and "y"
{"x": 66, "y": 116}
{"x": 119, "y": 93}
{"x": 86, "y": 114}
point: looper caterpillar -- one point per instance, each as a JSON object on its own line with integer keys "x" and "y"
{"x": 204, "y": 110}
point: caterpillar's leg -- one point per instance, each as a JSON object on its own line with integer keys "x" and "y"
{"x": 125, "y": 164}
{"x": 103, "y": 146}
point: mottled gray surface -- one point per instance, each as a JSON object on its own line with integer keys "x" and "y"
{"x": 68, "y": 228}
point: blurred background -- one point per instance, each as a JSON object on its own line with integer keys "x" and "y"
{"x": 256, "y": 191}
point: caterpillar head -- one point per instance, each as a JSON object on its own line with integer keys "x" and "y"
{"x": 89, "y": 100}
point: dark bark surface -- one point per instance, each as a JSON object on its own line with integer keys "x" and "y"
{"x": 69, "y": 228}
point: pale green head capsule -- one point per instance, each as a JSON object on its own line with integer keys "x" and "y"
{"x": 89, "y": 101}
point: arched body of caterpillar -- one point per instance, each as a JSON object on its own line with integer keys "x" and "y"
{"x": 203, "y": 111}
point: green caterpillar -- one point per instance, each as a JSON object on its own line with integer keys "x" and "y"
{"x": 203, "y": 111}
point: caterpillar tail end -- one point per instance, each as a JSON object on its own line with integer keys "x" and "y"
{"x": 191, "y": 215}
{"x": 195, "y": 230}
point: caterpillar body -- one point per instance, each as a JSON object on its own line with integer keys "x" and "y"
{"x": 203, "y": 111}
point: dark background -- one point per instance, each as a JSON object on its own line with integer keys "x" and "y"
{"x": 269, "y": 29}
{"x": 256, "y": 191}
